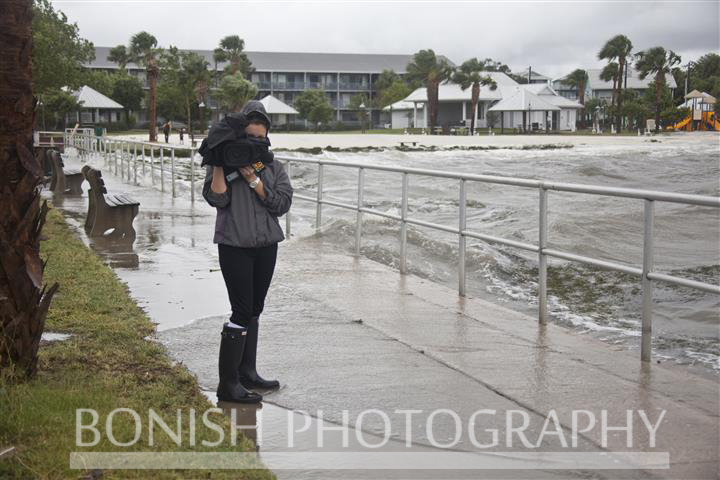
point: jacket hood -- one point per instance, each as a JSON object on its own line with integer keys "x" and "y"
{"x": 232, "y": 126}
{"x": 254, "y": 109}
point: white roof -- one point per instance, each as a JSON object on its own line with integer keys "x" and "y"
{"x": 402, "y": 105}
{"x": 273, "y": 105}
{"x": 91, "y": 98}
{"x": 547, "y": 93}
{"x": 520, "y": 99}
{"x": 451, "y": 92}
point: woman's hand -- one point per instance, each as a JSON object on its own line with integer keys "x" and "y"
{"x": 248, "y": 174}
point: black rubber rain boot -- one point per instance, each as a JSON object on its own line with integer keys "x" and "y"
{"x": 232, "y": 345}
{"x": 248, "y": 372}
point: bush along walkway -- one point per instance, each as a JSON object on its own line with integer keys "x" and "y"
{"x": 109, "y": 361}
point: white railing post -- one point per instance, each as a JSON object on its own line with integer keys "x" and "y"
{"x": 162, "y": 169}
{"x": 647, "y": 283}
{"x": 287, "y": 215}
{"x": 358, "y": 221}
{"x": 318, "y": 210}
{"x": 462, "y": 224}
{"x": 152, "y": 165}
{"x": 403, "y": 224}
{"x": 192, "y": 175}
{"x": 172, "y": 170}
{"x": 135, "y": 162}
{"x": 122, "y": 160}
{"x": 542, "y": 258}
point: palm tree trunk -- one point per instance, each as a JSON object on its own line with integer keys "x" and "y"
{"x": 618, "y": 116}
{"x": 432, "y": 93}
{"x": 581, "y": 95}
{"x": 152, "y": 75}
{"x": 474, "y": 102}
{"x": 24, "y": 300}
{"x": 659, "y": 81}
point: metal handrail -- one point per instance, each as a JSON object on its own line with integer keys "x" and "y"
{"x": 85, "y": 143}
{"x": 544, "y": 187}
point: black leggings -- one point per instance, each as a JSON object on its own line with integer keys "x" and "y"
{"x": 247, "y": 272}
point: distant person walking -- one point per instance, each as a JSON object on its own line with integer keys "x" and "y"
{"x": 166, "y": 130}
{"x": 182, "y": 135}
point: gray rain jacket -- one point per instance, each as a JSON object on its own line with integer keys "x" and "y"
{"x": 243, "y": 218}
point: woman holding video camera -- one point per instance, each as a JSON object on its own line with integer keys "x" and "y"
{"x": 249, "y": 199}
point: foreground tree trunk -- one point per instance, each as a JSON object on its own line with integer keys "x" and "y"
{"x": 24, "y": 300}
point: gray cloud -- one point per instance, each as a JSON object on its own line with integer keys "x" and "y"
{"x": 553, "y": 37}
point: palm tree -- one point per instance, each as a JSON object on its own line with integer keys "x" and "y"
{"x": 610, "y": 72}
{"x": 233, "y": 46}
{"x": 428, "y": 69}
{"x": 470, "y": 74}
{"x": 144, "y": 51}
{"x": 24, "y": 301}
{"x": 659, "y": 61}
{"x": 578, "y": 79}
{"x": 234, "y": 92}
{"x": 617, "y": 48}
{"x": 120, "y": 56}
{"x": 193, "y": 79}
{"x": 219, "y": 56}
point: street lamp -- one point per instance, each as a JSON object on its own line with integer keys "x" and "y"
{"x": 362, "y": 124}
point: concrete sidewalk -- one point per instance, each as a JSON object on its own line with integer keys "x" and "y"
{"x": 344, "y": 333}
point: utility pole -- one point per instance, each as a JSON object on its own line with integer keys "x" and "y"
{"x": 687, "y": 75}
{"x": 529, "y": 74}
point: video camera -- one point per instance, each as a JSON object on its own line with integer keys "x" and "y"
{"x": 229, "y": 146}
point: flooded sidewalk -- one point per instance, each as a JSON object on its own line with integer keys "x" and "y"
{"x": 347, "y": 335}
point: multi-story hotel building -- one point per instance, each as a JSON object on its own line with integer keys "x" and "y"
{"x": 286, "y": 74}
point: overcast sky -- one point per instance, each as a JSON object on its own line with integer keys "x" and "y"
{"x": 552, "y": 37}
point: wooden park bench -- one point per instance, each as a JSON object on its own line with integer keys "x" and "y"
{"x": 108, "y": 211}
{"x": 44, "y": 162}
{"x": 63, "y": 180}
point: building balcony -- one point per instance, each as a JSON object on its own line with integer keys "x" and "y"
{"x": 288, "y": 85}
{"x": 321, "y": 85}
{"x": 354, "y": 86}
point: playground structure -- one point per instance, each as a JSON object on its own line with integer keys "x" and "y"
{"x": 702, "y": 113}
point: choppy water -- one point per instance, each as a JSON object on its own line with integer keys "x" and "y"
{"x": 602, "y": 303}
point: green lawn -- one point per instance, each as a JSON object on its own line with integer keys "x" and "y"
{"x": 110, "y": 361}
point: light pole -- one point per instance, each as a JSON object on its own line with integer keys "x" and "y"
{"x": 362, "y": 124}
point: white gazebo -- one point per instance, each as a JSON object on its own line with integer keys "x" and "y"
{"x": 278, "y": 110}
{"x": 403, "y": 114}
{"x": 95, "y": 107}
{"x": 520, "y": 108}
